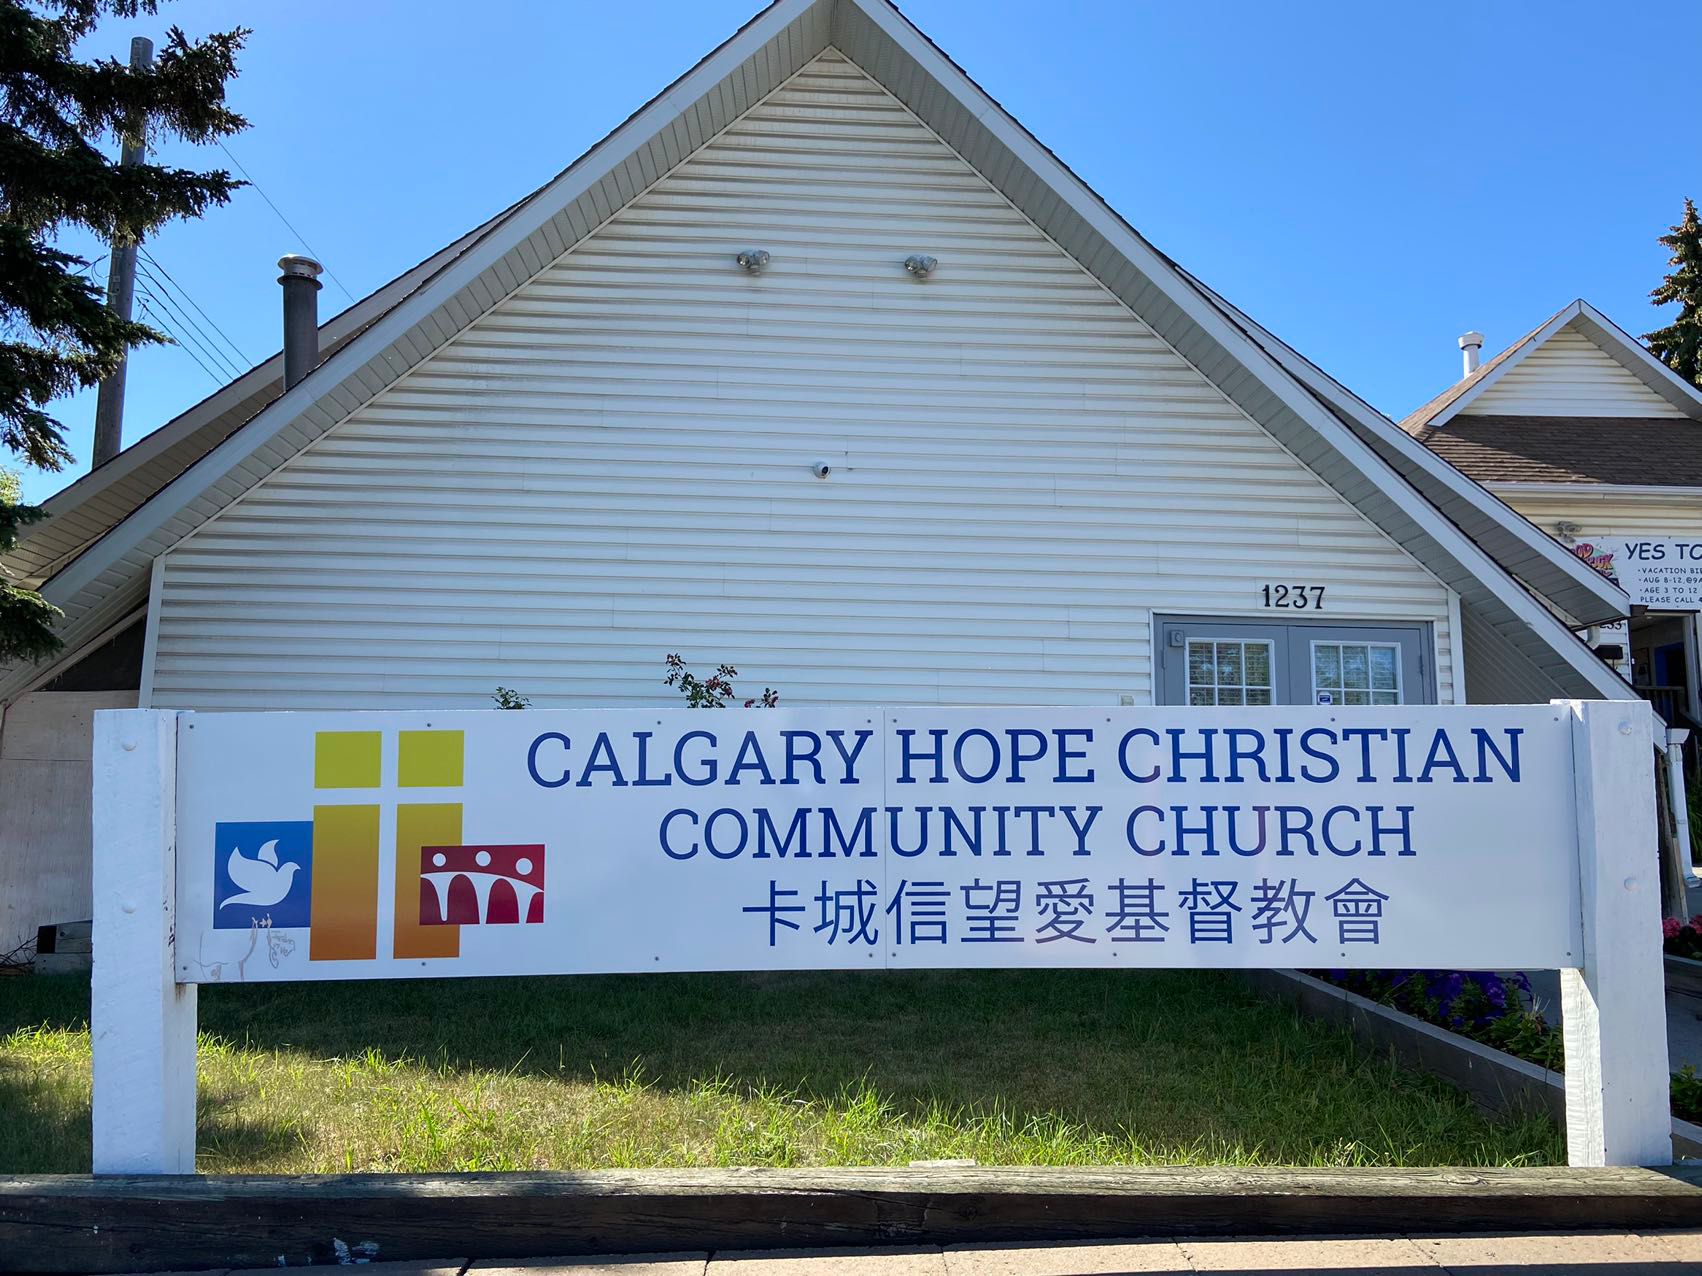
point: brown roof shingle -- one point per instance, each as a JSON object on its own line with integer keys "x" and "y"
{"x": 1630, "y": 451}
{"x": 1415, "y": 422}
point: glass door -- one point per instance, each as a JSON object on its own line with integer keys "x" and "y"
{"x": 1201, "y": 661}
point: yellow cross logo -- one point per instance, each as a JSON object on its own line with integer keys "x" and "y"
{"x": 346, "y": 836}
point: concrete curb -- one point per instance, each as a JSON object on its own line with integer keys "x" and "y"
{"x": 181, "y": 1223}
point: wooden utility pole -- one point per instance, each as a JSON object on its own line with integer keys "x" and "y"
{"x": 121, "y": 289}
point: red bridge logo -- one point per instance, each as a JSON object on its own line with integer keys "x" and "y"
{"x": 481, "y": 885}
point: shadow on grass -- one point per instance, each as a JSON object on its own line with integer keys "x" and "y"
{"x": 1093, "y": 1047}
{"x": 58, "y": 1002}
{"x": 1174, "y": 1057}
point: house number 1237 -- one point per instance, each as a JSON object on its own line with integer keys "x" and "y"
{"x": 1295, "y": 597}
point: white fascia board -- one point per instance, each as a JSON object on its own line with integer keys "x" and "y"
{"x": 1636, "y": 359}
{"x": 1537, "y": 338}
{"x": 230, "y": 397}
{"x": 526, "y": 219}
{"x": 1207, "y": 316}
{"x": 1599, "y": 491}
{"x": 150, "y": 445}
{"x": 216, "y": 404}
{"x": 1612, "y": 340}
{"x": 1476, "y": 494}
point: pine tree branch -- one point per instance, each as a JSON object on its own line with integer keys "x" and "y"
{"x": 56, "y": 111}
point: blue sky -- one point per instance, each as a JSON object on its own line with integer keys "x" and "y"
{"x": 1368, "y": 180}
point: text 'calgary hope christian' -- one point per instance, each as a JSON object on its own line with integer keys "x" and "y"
{"x": 1279, "y": 763}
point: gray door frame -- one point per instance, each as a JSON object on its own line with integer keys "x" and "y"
{"x": 1293, "y": 639}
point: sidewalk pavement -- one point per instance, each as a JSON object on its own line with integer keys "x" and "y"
{"x": 1577, "y": 1254}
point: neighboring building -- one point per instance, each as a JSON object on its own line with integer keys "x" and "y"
{"x": 1598, "y": 443}
{"x": 961, "y": 436}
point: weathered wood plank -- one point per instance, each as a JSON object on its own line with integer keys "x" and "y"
{"x": 83, "y": 1224}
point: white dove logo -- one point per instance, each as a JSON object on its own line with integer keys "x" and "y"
{"x": 263, "y": 880}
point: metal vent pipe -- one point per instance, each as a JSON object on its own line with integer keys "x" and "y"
{"x": 301, "y": 316}
{"x": 1471, "y": 346}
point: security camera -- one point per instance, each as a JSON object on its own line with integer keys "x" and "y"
{"x": 821, "y": 469}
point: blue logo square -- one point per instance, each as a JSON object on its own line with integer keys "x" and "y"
{"x": 262, "y": 869}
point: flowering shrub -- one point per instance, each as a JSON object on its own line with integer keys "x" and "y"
{"x": 1683, "y": 939}
{"x": 1474, "y": 1003}
{"x": 1496, "y": 1011}
{"x": 715, "y": 691}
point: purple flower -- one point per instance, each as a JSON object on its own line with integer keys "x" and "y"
{"x": 1494, "y": 989}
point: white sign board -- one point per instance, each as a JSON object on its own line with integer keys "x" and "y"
{"x": 351, "y": 845}
{"x": 341, "y": 845}
{"x": 1665, "y": 575}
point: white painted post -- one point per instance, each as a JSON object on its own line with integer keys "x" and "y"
{"x": 1676, "y": 737}
{"x": 142, "y": 1020}
{"x": 1614, "y": 1004}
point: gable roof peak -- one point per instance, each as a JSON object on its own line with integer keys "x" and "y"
{"x": 1577, "y": 316}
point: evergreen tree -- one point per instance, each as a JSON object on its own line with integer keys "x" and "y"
{"x": 57, "y": 113}
{"x": 24, "y": 615}
{"x": 1679, "y": 344}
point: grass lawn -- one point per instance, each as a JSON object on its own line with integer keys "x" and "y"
{"x": 1040, "y": 1068}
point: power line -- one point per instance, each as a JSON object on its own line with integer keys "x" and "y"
{"x": 165, "y": 296}
{"x": 195, "y": 346}
{"x": 149, "y": 316}
{"x": 166, "y": 301}
{"x": 173, "y": 305}
{"x": 171, "y": 280}
{"x": 175, "y": 312}
{"x": 286, "y": 221}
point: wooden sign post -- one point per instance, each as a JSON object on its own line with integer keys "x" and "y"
{"x": 1614, "y": 1008}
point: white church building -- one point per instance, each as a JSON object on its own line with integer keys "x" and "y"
{"x": 820, "y": 365}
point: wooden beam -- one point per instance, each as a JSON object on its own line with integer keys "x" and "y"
{"x": 78, "y": 1223}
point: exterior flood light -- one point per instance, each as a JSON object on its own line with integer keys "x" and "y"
{"x": 920, "y": 264}
{"x": 753, "y": 261}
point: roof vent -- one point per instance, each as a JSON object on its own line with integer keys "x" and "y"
{"x": 1471, "y": 346}
{"x": 301, "y": 316}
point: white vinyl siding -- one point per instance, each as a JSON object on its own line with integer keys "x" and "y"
{"x": 1497, "y": 676}
{"x": 614, "y": 463}
{"x": 1497, "y": 672}
{"x": 1601, "y": 511}
{"x": 1569, "y": 375}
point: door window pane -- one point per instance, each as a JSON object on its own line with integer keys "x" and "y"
{"x": 1229, "y": 664}
{"x": 1258, "y": 657}
{"x": 1383, "y": 669}
{"x": 1202, "y": 669}
{"x": 1230, "y": 672}
{"x": 1327, "y": 664}
{"x": 1356, "y": 667}
{"x": 1356, "y": 673}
